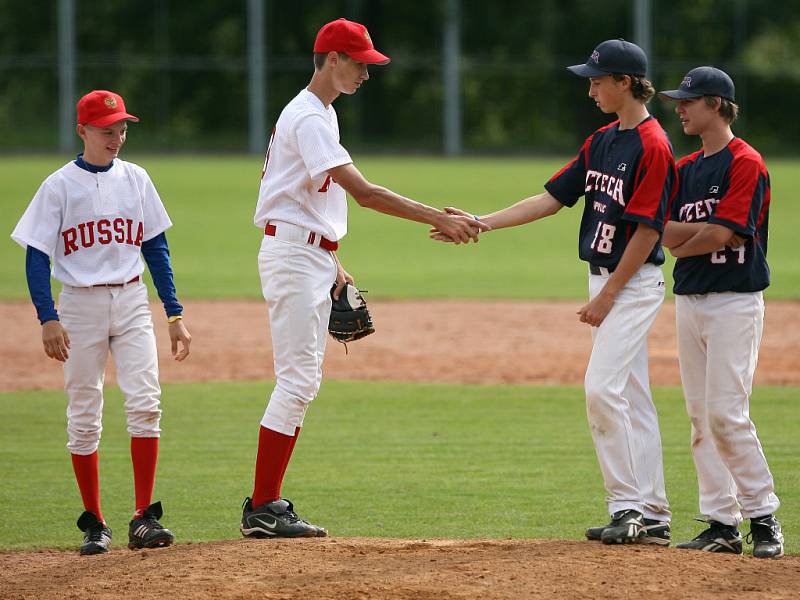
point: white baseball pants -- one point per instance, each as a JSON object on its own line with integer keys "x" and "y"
{"x": 296, "y": 280}
{"x": 99, "y": 320}
{"x": 718, "y": 340}
{"x": 619, "y": 406}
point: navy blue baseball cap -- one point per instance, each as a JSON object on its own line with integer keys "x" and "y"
{"x": 703, "y": 81}
{"x": 613, "y": 56}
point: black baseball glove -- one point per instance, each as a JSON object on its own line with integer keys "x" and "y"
{"x": 350, "y": 319}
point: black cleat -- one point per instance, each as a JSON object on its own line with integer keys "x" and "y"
{"x": 767, "y": 537}
{"x": 626, "y": 527}
{"x": 147, "y": 532}
{"x": 717, "y": 538}
{"x": 96, "y": 536}
{"x": 276, "y": 519}
{"x": 655, "y": 532}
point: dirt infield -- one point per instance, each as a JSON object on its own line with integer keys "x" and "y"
{"x": 393, "y": 569}
{"x": 452, "y": 342}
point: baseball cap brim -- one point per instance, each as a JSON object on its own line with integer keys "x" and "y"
{"x": 112, "y": 118}
{"x": 678, "y": 95}
{"x": 586, "y": 71}
{"x": 369, "y": 57}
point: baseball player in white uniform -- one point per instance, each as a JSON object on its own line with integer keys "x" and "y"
{"x": 626, "y": 172}
{"x": 719, "y": 232}
{"x": 302, "y": 209}
{"x": 96, "y": 217}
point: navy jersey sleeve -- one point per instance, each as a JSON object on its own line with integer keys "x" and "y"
{"x": 569, "y": 184}
{"x": 656, "y": 182}
{"x": 37, "y": 272}
{"x": 156, "y": 255}
{"x": 740, "y": 207}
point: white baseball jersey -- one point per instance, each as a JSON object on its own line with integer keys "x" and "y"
{"x": 295, "y": 185}
{"x": 92, "y": 225}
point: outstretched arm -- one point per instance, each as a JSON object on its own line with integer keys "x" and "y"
{"x": 459, "y": 228}
{"x": 525, "y": 211}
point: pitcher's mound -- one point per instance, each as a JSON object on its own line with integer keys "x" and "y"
{"x": 388, "y": 569}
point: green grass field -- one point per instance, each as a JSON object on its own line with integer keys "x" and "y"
{"x": 212, "y": 199}
{"x": 375, "y": 459}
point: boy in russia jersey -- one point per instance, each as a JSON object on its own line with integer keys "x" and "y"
{"x": 718, "y": 232}
{"x": 96, "y": 217}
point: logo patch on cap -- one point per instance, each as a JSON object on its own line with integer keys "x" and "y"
{"x": 596, "y": 56}
{"x": 687, "y": 82}
{"x": 110, "y": 102}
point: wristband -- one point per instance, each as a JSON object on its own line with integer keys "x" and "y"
{"x": 174, "y": 318}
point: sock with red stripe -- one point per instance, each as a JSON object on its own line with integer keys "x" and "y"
{"x": 144, "y": 456}
{"x": 87, "y": 474}
{"x": 274, "y": 452}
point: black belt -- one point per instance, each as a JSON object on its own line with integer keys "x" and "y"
{"x": 595, "y": 270}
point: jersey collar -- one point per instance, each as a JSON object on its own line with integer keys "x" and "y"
{"x": 316, "y": 101}
{"x": 92, "y": 168}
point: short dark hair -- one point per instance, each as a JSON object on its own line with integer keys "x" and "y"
{"x": 641, "y": 87}
{"x": 727, "y": 110}
{"x": 319, "y": 59}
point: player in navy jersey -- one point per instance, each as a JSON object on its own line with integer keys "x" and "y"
{"x": 718, "y": 231}
{"x": 626, "y": 172}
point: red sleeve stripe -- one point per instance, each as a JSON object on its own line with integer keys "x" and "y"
{"x": 656, "y": 171}
{"x": 746, "y": 170}
{"x": 764, "y": 207}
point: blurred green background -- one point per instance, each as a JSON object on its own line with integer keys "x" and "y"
{"x": 187, "y": 71}
{"x": 214, "y": 244}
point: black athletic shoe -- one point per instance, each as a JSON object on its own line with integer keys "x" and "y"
{"x": 275, "y": 519}
{"x": 655, "y": 532}
{"x": 767, "y": 537}
{"x": 147, "y": 532}
{"x": 717, "y": 538}
{"x": 626, "y": 527}
{"x": 96, "y": 536}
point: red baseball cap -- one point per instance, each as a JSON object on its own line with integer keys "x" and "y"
{"x": 101, "y": 108}
{"x": 351, "y": 38}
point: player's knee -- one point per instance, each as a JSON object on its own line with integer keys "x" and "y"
{"x": 721, "y": 425}
{"x": 596, "y": 392}
{"x": 284, "y": 415}
{"x": 83, "y": 440}
{"x": 302, "y": 392}
{"x": 144, "y": 422}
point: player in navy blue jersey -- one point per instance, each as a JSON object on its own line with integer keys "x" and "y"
{"x": 718, "y": 231}
{"x": 626, "y": 171}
